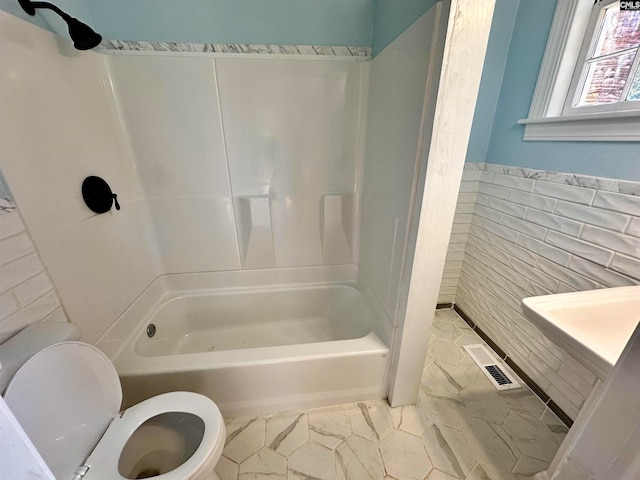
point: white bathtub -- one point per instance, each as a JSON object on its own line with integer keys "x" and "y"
{"x": 255, "y": 341}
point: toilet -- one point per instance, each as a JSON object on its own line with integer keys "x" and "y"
{"x": 67, "y": 399}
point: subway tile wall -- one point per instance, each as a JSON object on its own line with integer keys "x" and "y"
{"x": 460, "y": 232}
{"x": 534, "y": 233}
{"x": 26, "y": 293}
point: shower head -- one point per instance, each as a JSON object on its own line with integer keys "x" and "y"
{"x": 83, "y": 36}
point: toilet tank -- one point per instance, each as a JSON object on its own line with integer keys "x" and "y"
{"x": 23, "y": 345}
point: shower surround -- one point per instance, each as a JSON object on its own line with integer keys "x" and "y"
{"x": 221, "y": 164}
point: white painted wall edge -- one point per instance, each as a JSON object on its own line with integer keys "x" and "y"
{"x": 464, "y": 51}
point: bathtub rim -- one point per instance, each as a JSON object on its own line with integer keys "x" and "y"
{"x": 362, "y": 328}
{"x": 125, "y": 329}
{"x": 128, "y": 362}
{"x": 364, "y": 363}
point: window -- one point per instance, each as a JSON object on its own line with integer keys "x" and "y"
{"x": 589, "y": 83}
{"x": 607, "y": 79}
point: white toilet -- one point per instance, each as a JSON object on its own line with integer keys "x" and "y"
{"x": 67, "y": 399}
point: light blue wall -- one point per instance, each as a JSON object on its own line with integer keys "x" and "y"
{"x": 605, "y": 159}
{"x": 307, "y": 22}
{"x": 49, "y": 20}
{"x": 392, "y": 17}
{"x": 504, "y": 17}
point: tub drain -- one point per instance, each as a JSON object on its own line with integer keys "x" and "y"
{"x": 151, "y": 330}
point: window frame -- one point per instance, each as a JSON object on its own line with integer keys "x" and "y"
{"x": 547, "y": 119}
{"x": 576, "y": 88}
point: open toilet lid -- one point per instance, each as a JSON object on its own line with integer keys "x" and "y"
{"x": 64, "y": 397}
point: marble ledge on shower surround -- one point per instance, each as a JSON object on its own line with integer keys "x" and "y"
{"x": 328, "y": 51}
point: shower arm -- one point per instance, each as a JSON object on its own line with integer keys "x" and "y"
{"x": 83, "y": 36}
{"x": 30, "y": 8}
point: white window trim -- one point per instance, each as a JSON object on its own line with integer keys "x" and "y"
{"x": 545, "y": 120}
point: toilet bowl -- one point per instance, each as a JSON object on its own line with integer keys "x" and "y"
{"x": 67, "y": 399}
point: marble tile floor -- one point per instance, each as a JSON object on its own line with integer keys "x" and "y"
{"x": 461, "y": 429}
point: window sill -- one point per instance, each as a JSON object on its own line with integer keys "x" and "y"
{"x": 594, "y": 127}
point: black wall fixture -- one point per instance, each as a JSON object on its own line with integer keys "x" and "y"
{"x": 83, "y": 36}
{"x": 97, "y": 195}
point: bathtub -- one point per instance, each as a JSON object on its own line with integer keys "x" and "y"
{"x": 254, "y": 341}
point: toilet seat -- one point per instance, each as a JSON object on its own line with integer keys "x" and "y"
{"x": 67, "y": 396}
{"x": 103, "y": 463}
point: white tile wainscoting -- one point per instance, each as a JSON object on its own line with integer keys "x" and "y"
{"x": 26, "y": 293}
{"x": 460, "y": 232}
{"x": 522, "y": 232}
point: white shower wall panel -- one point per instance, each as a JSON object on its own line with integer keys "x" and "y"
{"x": 170, "y": 107}
{"x": 113, "y": 259}
{"x": 396, "y": 92}
{"x": 195, "y": 233}
{"x": 291, "y": 130}
{"x": 212, "y": 136}
{"x": 58, "y": 125}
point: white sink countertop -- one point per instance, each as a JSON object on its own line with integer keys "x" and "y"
{"x": 594, "y": 326}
